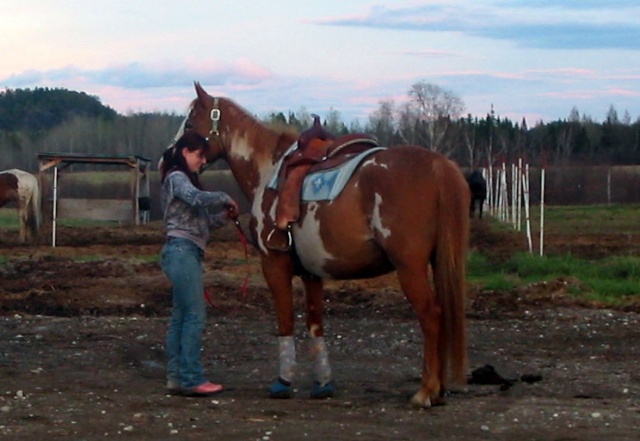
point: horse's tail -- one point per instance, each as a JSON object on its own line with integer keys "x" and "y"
{"x": 450, "y": 266}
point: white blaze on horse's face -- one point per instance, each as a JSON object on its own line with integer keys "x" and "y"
{"x": 178, "y": 134}
{"x": 183, "y": 124}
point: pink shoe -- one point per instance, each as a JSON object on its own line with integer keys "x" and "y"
{"x": 204, "y": 390}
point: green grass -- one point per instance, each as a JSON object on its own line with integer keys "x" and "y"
{"x": 9, "y": 218}
{"x": 609, "y": 280}
{"x": 589, "y": 219}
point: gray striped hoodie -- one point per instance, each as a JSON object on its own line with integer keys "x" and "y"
{"x": 189, "y": 212}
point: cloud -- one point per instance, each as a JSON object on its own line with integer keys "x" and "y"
{"x": 534, "y": 24}
{"x": 147, "y": 75}
{"x": 432, "y": 54}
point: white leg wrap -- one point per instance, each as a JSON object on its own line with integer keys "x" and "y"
{"x": 287, "y": 357}
{"x": 321, "y": 367}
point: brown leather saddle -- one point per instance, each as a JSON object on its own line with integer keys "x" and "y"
{"x": 317, "y": 150}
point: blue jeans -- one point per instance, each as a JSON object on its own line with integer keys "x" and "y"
{"x": 181, "y": 261}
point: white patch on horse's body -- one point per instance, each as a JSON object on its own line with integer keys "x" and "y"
{"x": 241, "y": 148}
{"x": 377, "y": 221}
{"x": 27, "y": 184}
{"x": 372, "y": 162}
{"x": 27, "y": 197}
{"x": 259, "y": 215}
{"x": 265, "y": 171}
{"x": 309, "y": 244}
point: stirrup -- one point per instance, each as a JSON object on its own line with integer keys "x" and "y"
{"x": 286, "y": 247}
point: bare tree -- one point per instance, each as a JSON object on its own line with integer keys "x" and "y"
{"x": 382, "y": 122}
{"x": 434, "y": 108}
{"x": 612, "y": 115}
{"x": 469, "y": 134}
{"x": 334, "y": 123}
{"x": 407, "y": 120}
{"x": 574, "y": 116}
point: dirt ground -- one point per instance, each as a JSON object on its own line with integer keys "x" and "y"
{"x": 81, "y": 351}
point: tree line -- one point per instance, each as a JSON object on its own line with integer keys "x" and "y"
{"x": 59, "y": 120}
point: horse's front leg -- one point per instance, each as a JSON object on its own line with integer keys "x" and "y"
{"x": 277, "y": 269}
{"x": 322, "y": 386}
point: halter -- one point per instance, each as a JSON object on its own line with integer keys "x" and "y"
{"x": 215, "y": 119}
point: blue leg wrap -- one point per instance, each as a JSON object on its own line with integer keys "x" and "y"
{"x": 321, "y": 392}
{"x": 280, "y": 389}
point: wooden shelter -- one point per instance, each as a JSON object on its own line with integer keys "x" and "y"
{"x": 135, "y": 209}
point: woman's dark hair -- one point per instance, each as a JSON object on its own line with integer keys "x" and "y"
{"x": 172, "y": 158}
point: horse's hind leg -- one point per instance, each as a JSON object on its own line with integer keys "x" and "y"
{"x": 322, "y": 386}
{"x": 416, "y": 286}
{"x": 24, "y": 221}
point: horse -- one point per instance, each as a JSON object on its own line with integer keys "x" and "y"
{"x": 404, "y": 208}
{"x": 22, "y": 188}
{"x": 478, "y": 188}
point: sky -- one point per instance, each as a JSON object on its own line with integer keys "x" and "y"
{"x": 535, "y": 59}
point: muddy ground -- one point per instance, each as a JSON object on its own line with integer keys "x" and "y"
{"x": 81, "y": 351}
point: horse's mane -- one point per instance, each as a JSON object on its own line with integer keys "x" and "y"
{"x": 255, "y": 129}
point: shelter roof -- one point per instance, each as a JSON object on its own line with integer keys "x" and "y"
{"x": 53, "y": 159}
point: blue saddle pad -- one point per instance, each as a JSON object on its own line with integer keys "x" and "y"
{"x": 327, "y": 184}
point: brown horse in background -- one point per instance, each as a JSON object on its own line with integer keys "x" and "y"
{"x": 404, "y": 208}
{"x": 478, "y": 188}
{"x": 22, "y": 188}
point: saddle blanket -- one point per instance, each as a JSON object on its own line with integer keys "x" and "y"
{"x": 324, "y": 185}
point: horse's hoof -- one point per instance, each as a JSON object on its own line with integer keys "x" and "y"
{"x": 280, "y": 389}
{"x": 420, "y": 402}
{"x": 425, "y": 401}
{"x": 320, "y": 392}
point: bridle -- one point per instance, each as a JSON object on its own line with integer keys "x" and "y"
{"x": 214, "y": 115}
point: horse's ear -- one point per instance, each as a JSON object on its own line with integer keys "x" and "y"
{"x": 203, "y": 96}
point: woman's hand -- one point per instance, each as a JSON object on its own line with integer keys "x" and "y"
{"x": 232, "y": 209}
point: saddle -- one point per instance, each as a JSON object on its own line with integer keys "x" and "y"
{"x": 317, "y": 150}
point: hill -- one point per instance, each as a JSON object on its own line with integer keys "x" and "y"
{"x": 41, "y": 109}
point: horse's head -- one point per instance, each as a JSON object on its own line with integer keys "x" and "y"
{"x": 249, "y": 146}
{"x": 204, "y": 118}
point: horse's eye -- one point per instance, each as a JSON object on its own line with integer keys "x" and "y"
{"x": 188, "y": 125}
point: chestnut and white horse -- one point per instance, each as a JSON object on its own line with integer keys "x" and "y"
{"x": 404, "y": 208}
{"x": 22, "y": 188}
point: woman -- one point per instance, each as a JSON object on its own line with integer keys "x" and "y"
{"x": 189, "y": 214}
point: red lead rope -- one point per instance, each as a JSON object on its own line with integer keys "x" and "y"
{"x": 245, "y": 243}
{"x": 245, "y": 284}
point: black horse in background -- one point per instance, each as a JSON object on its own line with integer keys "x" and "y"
{"x": 478, "y": 187}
